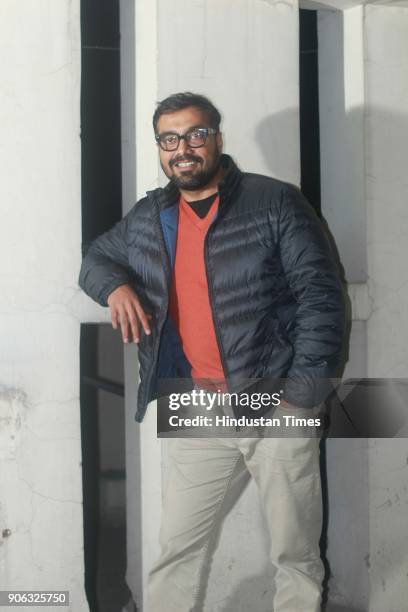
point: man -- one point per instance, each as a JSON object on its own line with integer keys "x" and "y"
{"x": 225, "y": 276}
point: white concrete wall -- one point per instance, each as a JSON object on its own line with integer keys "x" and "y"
{"x": 386, "y": 128}
{"x": 129, "y": 197}
{"x": 140, "y": 172}
{"x": 370, "y": 118}
{"x": 244, "y": 56}
{"x": 341, "y": 109}
{"x": 40, "y": 235}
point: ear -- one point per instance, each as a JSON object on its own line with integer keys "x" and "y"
{"x": 219, "y": 141}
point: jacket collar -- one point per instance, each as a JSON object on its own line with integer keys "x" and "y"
{"x": 169, "y": 195}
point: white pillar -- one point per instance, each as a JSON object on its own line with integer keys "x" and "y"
{"x": 341, "y": 111}
{"x": 244, "y": 56}
{"x": 386, "y": 188}
{"x": 140, "y": 172}
{"x": 40, "y": 445}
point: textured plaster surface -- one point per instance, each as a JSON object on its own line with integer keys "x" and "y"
{"x": 40, "y": 448}
{"x": 386, "y": 187}
{"x": 341, "y": 104}
{"x": 343, "y": 5}
{"x": 386, "y": 125}
{"x": 251, "y": 73}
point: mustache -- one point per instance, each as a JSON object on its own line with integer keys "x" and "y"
{"x": 184, "y": 158}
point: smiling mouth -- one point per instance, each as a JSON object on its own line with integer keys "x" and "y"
{"x": 185, "y": 164}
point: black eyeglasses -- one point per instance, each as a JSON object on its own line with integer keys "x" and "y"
{"x": 195, "y": 138}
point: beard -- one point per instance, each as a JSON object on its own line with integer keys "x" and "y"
{"x": 193, "y": 180}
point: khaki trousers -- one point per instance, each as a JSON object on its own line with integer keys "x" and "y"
{"x": 204, "y": 473}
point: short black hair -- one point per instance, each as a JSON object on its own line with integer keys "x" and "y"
{"x": 182, "y": 100}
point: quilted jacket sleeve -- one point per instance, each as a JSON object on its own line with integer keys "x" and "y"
{"x": 105, "y": 264}
{"x": 314, "y": 282}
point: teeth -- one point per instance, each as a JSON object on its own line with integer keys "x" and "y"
{"x": 185, "y": 164}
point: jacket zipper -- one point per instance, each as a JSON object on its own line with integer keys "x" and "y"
{"x": 215, "y": 320}
{"x": 211, "y": 294}
{"x": 166, "y": 265}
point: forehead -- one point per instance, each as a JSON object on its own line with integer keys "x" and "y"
{"x": 181, "y": 120}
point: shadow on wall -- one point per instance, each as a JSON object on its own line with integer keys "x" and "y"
{"x": 278, "y": 154}
{"x": 382, "y": 174}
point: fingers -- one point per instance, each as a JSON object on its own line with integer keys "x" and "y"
{"x": 133, "y": 322}
{"x": 127, "y": 312}
{"x": 144, "y": 319}
{"x": 124, "y": 325}
{"x": 114, "y": 317}
{"x": 128, "y": 317}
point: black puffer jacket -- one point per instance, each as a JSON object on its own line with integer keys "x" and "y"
{"x": 275, "y": 292}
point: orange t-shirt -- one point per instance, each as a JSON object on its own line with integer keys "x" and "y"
{"x": 190, "y": 307}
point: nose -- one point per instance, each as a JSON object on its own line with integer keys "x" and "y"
{"x": 183, "y": 147}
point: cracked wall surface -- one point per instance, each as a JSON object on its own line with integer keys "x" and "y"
{"x": 41, "y": 308}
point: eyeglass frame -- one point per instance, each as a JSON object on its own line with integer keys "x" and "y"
{"x": 208, "y": 131}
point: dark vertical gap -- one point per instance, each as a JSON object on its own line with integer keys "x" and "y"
{"x": 90, "y": 460}
{"x": 101, "y": 193}
{"x": 310, "y": 185}
{"x": 309, "y": 108}
{"x": 103, "y": 468}
{"x": 101, "y": 170}
{"x": 323, "y": 538}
